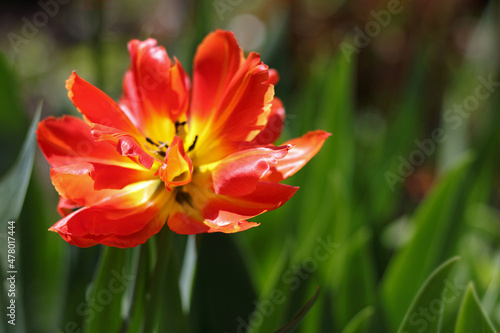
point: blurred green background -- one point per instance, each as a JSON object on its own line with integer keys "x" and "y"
{"x": 408, "y": 180}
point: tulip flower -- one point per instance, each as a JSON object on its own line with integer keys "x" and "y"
{"x": 195, "y": 154}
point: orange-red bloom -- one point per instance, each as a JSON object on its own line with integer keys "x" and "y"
{"x": 199, "y": 156}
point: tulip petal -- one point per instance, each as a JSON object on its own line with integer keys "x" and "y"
{"x": 224, "y": 210}
{"x": 274, "y": 77}
{"x": 66, "y": 206}
{"x": 304, "y": 148}
{"x": 115, "y": 177}
{"x": 68, "y": 140}
{"x": 209, "y": 212}
{"x": 120, "y": 227}
{"x": 156, "y": 92}
{"x": 231, "y": 96}
{"x": 128, "y": 146}
{"x": 75, "y": 184}
{"x": 233, "y": 227}
{"x": 72, "y": 228}
{"x": 216, "y": 61}
{"x": 150, "y": 68}
{"x": 239, "y": 173}
{"x": 274, "y": 124}
{"x": 184, "y": 224}
{"x": 178, "y": 168}
{"x": 245, "y": 105}
{"x": 97, "y": 106}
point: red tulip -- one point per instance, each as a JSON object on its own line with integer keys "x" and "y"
{"x": 200, "y": 157}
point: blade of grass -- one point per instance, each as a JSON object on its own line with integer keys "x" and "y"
{"x": 472, "y": 317}
{"x": 13, "y": 187}
{"x": 360, "y": 322}
{"x": 14, "y": 184}
{"x": 104, "y": 305}
{"x": 430, "y": 294}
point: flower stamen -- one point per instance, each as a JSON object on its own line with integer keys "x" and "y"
{"x": 160, "y": 145}
{"x": 151, "y": 141}
{"x": 193, "y": 144}
{"x": 177, "y": 125}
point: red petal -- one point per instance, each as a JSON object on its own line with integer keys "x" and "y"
{"x": 128, "y": 146}
{"x": 178, "y": 168}
{"x": 68, "y": 140}
{"x": 97, "y": 106}
{"x": 179, "y": 92}
{"x": 120, "y": 227}
{"x": 234, "y": 227}
{"x": 115, "y": 177}
{"x": 66, "y": 206}
{"x": 141, "y": 236}
{"x": 75, "y": 184}
{"x": 239, "y": 173}
{"x": 216, "y": 61}
{"x": 227, "y": 213}
{"x": 246, "y": 102}
{"x": 230, "y": 97}
{"x": 154, "y": 89}
{"x": 150, "y": 68}
{"x": 223, "y": 210}
{"x": 274, "y": 125}
{"x": 274, "y": 77}
{"x": 304, "y": 148}
{"x": 184, "y": 224}
{"x": 105, "y": 177}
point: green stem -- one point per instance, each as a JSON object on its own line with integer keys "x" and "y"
{"x": 157, "y": 286}
{"x": 141, "y": 265}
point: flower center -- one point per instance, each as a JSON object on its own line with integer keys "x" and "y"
{"x": 178, "y": 167}
{"x": 162, "y": 147}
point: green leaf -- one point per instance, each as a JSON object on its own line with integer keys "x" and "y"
{"x": 471, "y": 317}
{"x": 359, "y": 323}
{"x": 435, "y": 220}
{"x": 14, "y": 184}
{"x": 103, "y": 308}
{"x": 299, "y": 315}
{"x": 136, "y": 294}
{"x": 13, "y": 187}
{"x": 428, "y": 305}
{"x": 80, "y": 265}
